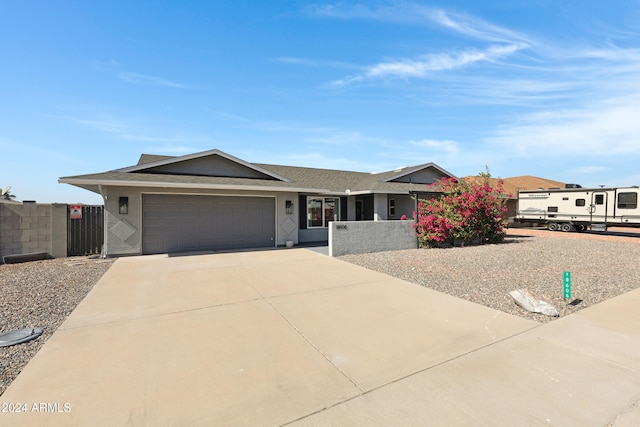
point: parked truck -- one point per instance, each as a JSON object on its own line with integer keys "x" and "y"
{"x": 580, "y": 209}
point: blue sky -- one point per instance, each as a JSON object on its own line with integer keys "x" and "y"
{"x": 546, "y": 88}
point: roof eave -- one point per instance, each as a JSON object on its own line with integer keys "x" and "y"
{"x": 79, "y": 182}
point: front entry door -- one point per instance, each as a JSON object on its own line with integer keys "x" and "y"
{"x": 359, "y": 210}
{"x": 598, "y": 207}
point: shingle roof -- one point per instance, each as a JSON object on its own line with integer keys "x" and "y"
{"x": 528, "y": 182}
{"x": 512, "y": 185}
{"x": 334, "y": 180}
{"x": 150, "y": 158}
{"x": 300, "y": 178}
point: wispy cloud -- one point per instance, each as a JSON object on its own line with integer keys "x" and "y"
{"x": 115, "y": 68}
{"x": 398, "y": 13}
{"x": 443, "y": 152}
{"x": 477, "y": 28}
{"x": 504, "y": 42}
{"x": 315, "y": 62}
{"x": 416, "y": 14}
{"x": 548, "y": 77}
{"x": 569, "y": 99}
{"x": 428, "y": 64}
{"x": 468, "y": 159}
{"x": 445, "y": 146}
{"x": 605, "y": 128}
{"x": 20, "y": 149}
{"x": 148, "y": 80}
{"x": 118, "y": 128}
{"x": 108, "y": 125}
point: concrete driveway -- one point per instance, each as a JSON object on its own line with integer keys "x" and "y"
{"x": 292, "y": 337}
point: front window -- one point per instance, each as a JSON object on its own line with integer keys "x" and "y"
{"x": 314, "y": 212}
{"x": 321, "y": 210}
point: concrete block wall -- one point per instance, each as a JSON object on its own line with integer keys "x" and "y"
{"x": 32, "y": 228}
{"x": 357, "y": 237}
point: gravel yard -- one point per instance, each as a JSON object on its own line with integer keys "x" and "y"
{"x": 600, "y": 270}
{"x": 41, "y": 294}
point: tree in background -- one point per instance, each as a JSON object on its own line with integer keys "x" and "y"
{"x": 466, "y": 212}
{"x": 6, "y": 194}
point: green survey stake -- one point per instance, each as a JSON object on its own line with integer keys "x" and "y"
{"x": 567, "y": 285}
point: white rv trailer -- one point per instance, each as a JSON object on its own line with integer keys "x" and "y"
{"x": 579, "y": 209}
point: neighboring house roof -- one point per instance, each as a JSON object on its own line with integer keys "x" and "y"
{"x": 215, "y": 169}
{"x": 528, "y": 182}
{"x": 494, "y": 183}
{"x": 512, "y": 185}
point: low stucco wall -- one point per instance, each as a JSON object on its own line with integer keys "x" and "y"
{"x": 358, "y": 237}
{"x": 32, "y": 228}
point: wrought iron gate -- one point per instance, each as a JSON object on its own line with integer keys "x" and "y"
{"x": 85, "y": 232}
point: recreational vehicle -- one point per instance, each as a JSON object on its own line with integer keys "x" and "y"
{"x": 580, "y": 209}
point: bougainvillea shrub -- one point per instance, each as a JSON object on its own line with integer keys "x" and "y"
{"x": 466, "y": 212}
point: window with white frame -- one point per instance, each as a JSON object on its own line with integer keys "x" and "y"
{"x": 392, "y": 207}
{"x": 321, "y": 210}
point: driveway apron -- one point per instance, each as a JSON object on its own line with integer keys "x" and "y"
{"x": 273, "y": 338}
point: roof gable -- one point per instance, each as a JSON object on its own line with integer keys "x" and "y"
{"x": 421, "y": 174}
{"x": 149, "y": 158}
{"x": 213, "y": 163}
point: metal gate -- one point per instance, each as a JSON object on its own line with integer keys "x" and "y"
{"x": 85, "y": 230}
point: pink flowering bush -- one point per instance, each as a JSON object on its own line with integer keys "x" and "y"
{"x": 466, "y": 212}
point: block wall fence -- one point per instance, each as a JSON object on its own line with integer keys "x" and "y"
{"x": 27, "y": 228}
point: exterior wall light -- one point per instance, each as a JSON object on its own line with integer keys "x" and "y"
{"x": 123, "y": 205}
{"x": 289, "y": 207}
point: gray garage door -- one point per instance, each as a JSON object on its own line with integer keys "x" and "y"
{"x": 174, "y": 223}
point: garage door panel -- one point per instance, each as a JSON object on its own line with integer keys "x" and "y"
{"x": 175, "y": 223}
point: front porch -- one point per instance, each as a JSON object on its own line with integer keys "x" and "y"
{"x": 317, "y": 211}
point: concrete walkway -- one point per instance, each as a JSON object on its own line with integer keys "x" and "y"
{"x": 291, "y": 337}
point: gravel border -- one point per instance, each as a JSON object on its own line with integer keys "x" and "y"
{"x": 41, "y": 294}
{"x": 486, "y": 274}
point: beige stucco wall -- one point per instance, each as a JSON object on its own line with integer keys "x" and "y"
{"x": 118, "y": 225}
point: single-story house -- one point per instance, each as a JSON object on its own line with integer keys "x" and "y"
{"x": 214, "y": 201}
